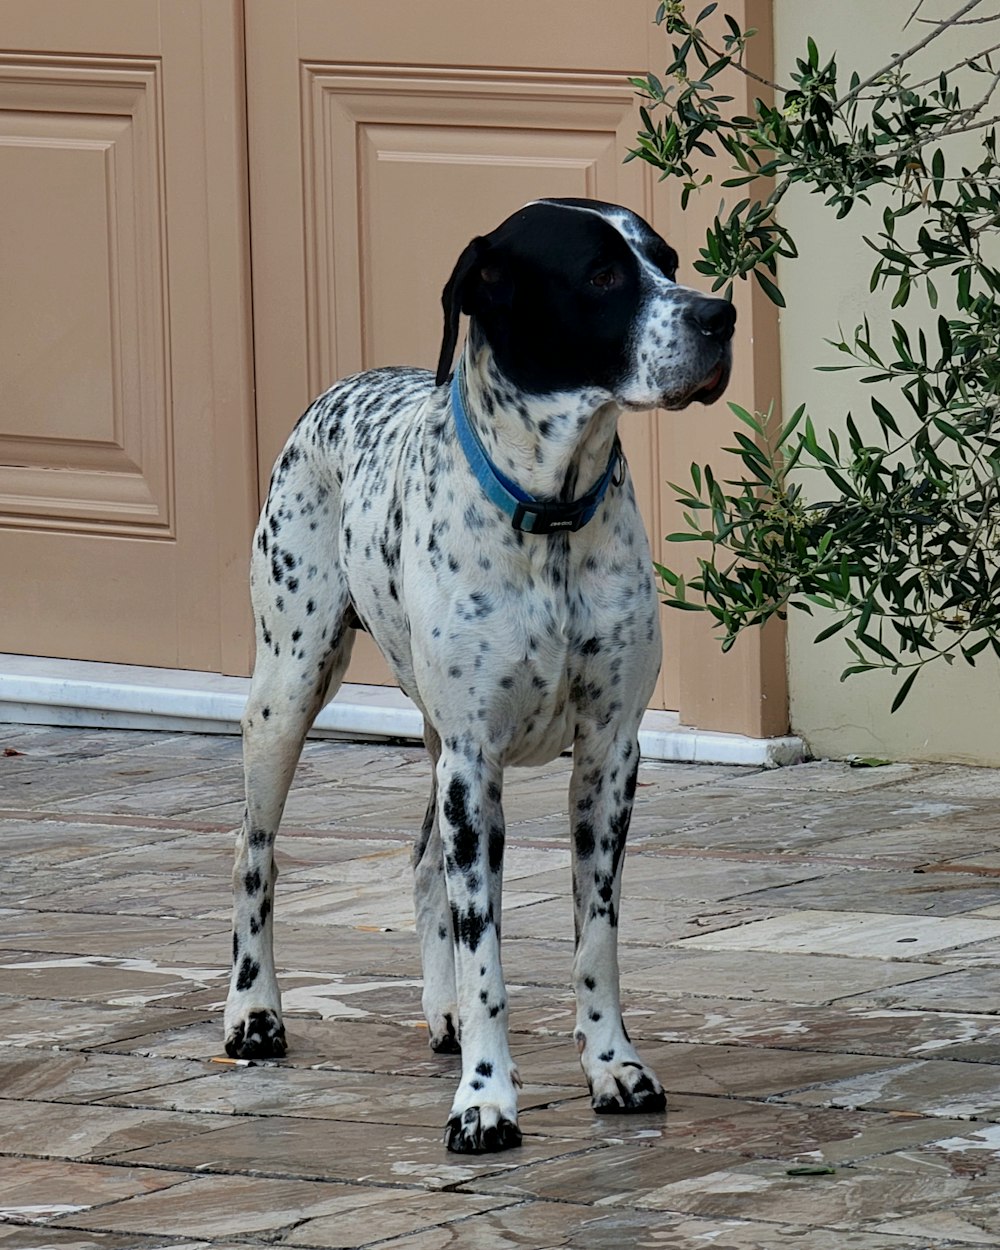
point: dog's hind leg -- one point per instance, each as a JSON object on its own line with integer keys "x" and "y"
{"x": 304, "y": 643}
{"x": 434, "y": 925}
{"x": 601, "y": 793}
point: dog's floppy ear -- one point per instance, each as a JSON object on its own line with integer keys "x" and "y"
{"x": 455, "y": 301}
{"x": 480, "y": 285}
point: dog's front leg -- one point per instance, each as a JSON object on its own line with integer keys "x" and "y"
{"x": 601, "y": 793}
{"x": 484, "y": 1113}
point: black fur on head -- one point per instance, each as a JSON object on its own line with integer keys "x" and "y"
{"x": 553, "y": 292}
{"x": 569, "y": 294}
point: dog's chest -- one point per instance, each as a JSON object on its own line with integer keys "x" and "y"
{"x": 506, "y": 637}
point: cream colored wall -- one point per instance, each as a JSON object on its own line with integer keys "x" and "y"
{"x": 951, "y": 712}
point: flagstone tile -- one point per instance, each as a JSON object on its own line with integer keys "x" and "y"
{"x": 394, "y": 1214}
{"x": 931, "y": 1087}
{"x": 761, "y": 975}
{"x": 608, "y": 1173}
{"x": 39, "y": 1190}
{"x": 14, "y": 1237}
{"x": 89, "y": 788}
{"x": 956, "y": 781}
{"x": 53, "y": 742}
{"x": 67, "y": 1077}
{"x": 643, "y": 921}
{"x": 101, "y": 779}
{"x": 101, "y": 978}
{"x": 72, "y": 932}
{"x": 578, "y": 1227}
{"x": 48, "y": 844}
{"x": 974, "y": 990}
{"x": 726, "y": 1071}
{"x": 965, "y": 1224}
{"x": 851, "y": 1198}
{"x": 100, "y": 891}
{"x": 860, "y": 933}
{"x": 865, "y": 825}
{"x": 882, "y": 891}
{"x": 74, "y": 1131}
{"x": 676, "y": 878}
{"x": 74, "y": 1025}
{"x": 982, "y": 956}
{"x": 831, "y": 776}
{"x": 223, "y": 1206}
{"x": 913, "y": 845}
{"x": 344, "y": 1151}
{"x": 757, "y": 1129}
{"x": 868, "y": 1029}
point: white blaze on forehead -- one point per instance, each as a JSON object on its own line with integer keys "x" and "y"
{"x": 628, "y": 224}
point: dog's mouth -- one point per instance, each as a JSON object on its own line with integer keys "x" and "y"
{"x": 707, "y": 391}
{"x": 713, "y": 384}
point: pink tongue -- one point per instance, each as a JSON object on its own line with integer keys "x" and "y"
{"x": 712, "y": 381}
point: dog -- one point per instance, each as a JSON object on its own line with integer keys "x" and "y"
{"x": 481, "y": 525}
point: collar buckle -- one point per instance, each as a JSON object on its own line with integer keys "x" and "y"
{"x": 545, "y": 518}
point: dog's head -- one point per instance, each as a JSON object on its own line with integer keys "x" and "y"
{"x": 571, "y": 294}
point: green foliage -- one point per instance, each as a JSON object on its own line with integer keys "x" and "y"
{"x": 898, "y": 534}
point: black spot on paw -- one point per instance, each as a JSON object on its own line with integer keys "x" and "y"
{"x": 447, "y": 1043}
{"x": 643, "y": 1099}
{"x": 260, "y": 1036}
{"x": 465, "y": 1134}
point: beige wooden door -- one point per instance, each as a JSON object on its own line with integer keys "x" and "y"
{"x": 127, "y": 451}
{"x": 382, "y": 138}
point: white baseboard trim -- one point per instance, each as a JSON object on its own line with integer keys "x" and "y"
{"x": 38, "y": 691}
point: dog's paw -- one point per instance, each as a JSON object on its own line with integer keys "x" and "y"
{"x": 257, "y": 1035}
{"x": 444, "y": 1040}
{"x": 626, "y": 1088}
{"x": 481, "y": 1130}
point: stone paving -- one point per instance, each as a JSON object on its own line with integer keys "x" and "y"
{"x": 810, "y": 961}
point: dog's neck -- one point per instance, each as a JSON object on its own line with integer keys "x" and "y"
{"x": 553, "y": 446}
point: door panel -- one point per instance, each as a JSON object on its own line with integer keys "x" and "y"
{"x": 392, "y": 163}
{"x": 126, "y": 429}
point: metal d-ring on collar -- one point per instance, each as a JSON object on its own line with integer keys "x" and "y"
{"x": 528, "y": 514}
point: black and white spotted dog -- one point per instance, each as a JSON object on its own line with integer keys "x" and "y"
{"x": 483, "y": 528}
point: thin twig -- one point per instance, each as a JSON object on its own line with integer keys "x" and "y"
{"x": 904, "y": 56}
{"x": 916, "y": 86}
{"x": 920, "y": 5}
{"x": 972, "y": 21}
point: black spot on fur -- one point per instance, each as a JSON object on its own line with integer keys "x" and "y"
{"x": 249, "y": 970}
{"x": 583, "y": 838}
{"x": 456, "y": 812}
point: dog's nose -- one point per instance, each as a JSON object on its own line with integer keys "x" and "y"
{"x": 714, "y": 317}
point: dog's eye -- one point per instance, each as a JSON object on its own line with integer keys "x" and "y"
{"x": 605, "y": 278}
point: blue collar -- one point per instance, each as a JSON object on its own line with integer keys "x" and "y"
{"x": 528, "y": 514}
